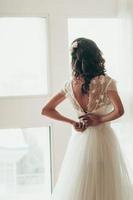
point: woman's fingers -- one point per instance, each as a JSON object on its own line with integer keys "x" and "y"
{"x": 89, "y": 119}
{"x": 82, "y": 116}
{"x": 85, "y": 118}
{"x": 80, "y": 126}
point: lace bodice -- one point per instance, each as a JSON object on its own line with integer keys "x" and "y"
{"x": 97, "y": 97}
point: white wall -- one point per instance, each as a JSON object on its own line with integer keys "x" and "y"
{"x": 57, "y": 11}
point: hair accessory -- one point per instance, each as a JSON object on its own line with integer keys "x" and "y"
{"x": 74, "y": 45}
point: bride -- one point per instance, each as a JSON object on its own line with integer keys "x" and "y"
{"x": 93, "y": 167}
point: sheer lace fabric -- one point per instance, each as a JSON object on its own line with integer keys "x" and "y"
{"x": 97, "y": 93}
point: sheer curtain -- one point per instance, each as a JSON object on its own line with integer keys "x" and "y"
{"x": 124, "y": 74}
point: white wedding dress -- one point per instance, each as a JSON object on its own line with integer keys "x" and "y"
{"x": 93, "y": 167}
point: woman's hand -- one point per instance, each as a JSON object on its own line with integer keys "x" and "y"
{"x": 91, "y": 119}
{"x": 79, "y": 126}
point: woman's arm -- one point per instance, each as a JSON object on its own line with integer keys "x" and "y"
{"x": 50, "y": 111}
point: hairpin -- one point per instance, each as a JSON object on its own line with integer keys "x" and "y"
{"x": 75, "y": 44}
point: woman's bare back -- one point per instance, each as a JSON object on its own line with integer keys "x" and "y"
{"x": 82, "y": 99}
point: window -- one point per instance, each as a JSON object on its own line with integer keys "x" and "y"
{"x": 100, "y": 31}
{"x": 23, "y": 56}
{"x": 25, "y": 162}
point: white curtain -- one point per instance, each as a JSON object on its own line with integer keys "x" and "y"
{"x": 124, "y": 73}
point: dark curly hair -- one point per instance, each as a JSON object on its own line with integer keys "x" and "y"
{"x": 87, "y": 61}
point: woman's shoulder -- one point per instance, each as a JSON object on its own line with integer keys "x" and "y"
{"x": 66, "y": 86}
{"x": 107, "y": 78}
{"x": 110, "y": 78}
{"x": 111, "y": 83}
{"x": 101, "y": 79}
{"x": 67, "y": 82}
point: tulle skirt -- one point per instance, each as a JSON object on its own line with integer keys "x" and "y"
{"x": 93, "y": 168}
